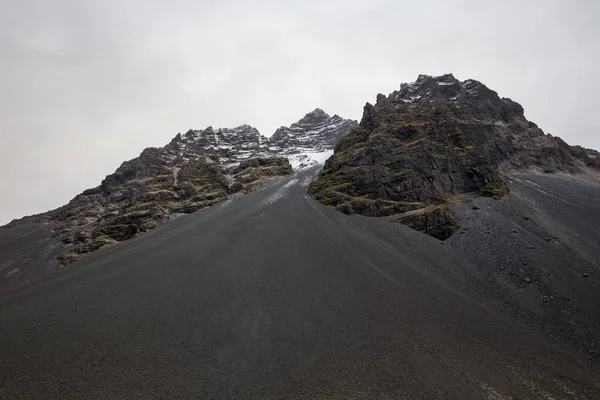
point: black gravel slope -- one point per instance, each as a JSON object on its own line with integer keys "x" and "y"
{"x": 275, "y": 296}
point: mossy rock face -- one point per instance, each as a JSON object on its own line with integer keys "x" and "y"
{"x": 191, "y": 207}
{"x": 195, "y": 170}
{"x": 365, "y": 206}
{"x": 438, "y": 222}
{"x": 434, "y": 139}
{"x": 496, "y": 192}
{"x": 139, "y": 197}
{"x": 271, "y": 165}
{"x": 101, "y": 241}
{"x": 68, "y": 257}
{"x": 252, "y": 174}
{"x": 120, "y": 232}
{"x": 160, "y": 195}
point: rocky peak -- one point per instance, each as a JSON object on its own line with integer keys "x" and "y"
{"x": 224, "y": 136}
{"x": 427, "y": 88}
{"x": 315, "y": 130}
{"x": 195, "y": 170}
{"x": 469, "y": 97}
{"x": 311, "y": 140}
{"x": 314, "y": 117}
{"x": 433, "y": 139}
{"x": 304, "y": 143}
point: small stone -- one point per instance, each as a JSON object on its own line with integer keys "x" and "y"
{"x": 527, "y": 280}
{"x": 531, "y": 247}
{"x": 586, "y": 275}
{"x": 475, "y": 208}
{"x": 515, "y": 231}
{"x": 544, "y": 299}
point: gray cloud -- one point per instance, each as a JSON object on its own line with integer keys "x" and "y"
{"x": 87, "y": 85}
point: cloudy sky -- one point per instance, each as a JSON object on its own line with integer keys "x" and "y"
{"x": 85, "y": 85}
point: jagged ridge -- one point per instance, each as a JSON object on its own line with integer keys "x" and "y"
{"x": 311, "y": 140}
{"x": 433, "y": 139}
{"x": 195, "y": 170}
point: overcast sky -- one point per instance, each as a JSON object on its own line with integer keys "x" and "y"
{"x": 85, "y": 85}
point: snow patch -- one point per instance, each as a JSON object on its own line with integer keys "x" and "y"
{"x": 412, "y": 99}
{"x": 175, "y": 172}
{"x": 309, "y": 158}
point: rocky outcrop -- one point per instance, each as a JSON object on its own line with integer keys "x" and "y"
{"x": 311, "y": 140}
{"x": 316, "y": 130}
{"x": 432, "y": 140}
{"x": 195, "y": 170}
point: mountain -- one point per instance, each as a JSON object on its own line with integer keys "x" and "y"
{"x": 275, "y": 296}
{"x": 435, "y": 143}
{"x": 311, "y": 140}
{"x": 195, "y": 170}
{"x": 272, "y": 294}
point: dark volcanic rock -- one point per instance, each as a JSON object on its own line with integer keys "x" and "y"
{"x": 436, "y": 221}
{"x": 433, "y": 139}
{"x": 195, "y": 170}
{"x": 311, "y": 140}
{"x": 192, "y": 172}
{"x": 316, "y": 130}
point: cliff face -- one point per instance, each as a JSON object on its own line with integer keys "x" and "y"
{"x": 194, "y": 171}
{"x": 311, "y": 140}
{"x": 418, "y": 149}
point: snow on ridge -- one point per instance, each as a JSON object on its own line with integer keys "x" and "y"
{"x": 411, "y": 99}
{"x": 307, "y": 159}
{"x": 308, "y": 144}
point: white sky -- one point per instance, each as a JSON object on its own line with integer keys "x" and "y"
{"x": 85, "y": 85}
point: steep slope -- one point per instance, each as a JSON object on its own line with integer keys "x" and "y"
{"x": 273, "y": 295}
{"x": 195, "y": 170}
{"x": 418, "y": 148}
